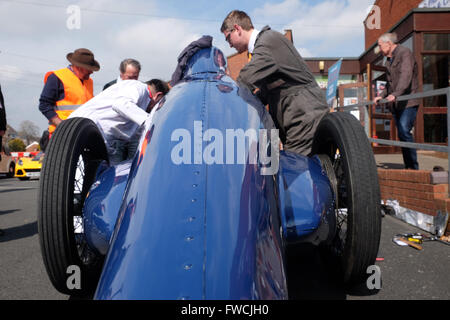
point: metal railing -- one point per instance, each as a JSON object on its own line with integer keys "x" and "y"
{"x": 420, "y": 146}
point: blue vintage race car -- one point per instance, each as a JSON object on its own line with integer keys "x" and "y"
{"x": 208, "y": 205}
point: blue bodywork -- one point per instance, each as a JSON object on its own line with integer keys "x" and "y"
{"x": 195, "y": 215}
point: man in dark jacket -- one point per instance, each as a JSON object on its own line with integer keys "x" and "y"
{"x": 401, "y": 80}
{"x": 280, "y": 77}
{"x": 2, "y": 128}
{"x": 129, "y": 70}
{"x": 2, "y": 119}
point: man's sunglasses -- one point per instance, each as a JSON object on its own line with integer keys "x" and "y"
{"x": 227, "y": 38}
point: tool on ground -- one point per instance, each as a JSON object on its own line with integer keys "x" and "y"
{"x": 402, "y": 241}
{"x": 419, "y": 238}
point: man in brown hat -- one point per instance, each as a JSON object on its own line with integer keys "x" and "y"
{"x": 66, "y": 89}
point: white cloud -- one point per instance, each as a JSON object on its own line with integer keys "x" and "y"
{"x": 17, "y": 19}
{"x": 11, "y": 72}
{"x": 305, "y": 53}
{"x": 320, "y": 27}
{"x": 156, "y": 43}
{"x": 286, "y": 10}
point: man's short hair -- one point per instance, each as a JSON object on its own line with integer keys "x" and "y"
{"x": 237, "y": 17}
{"x": 389, "y": 37}
{"x": 160, "y": 86}
{"x": 126, "y": 62}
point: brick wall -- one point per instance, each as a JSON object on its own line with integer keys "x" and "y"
{"x": 392, "y": 11}
{"x": 414, "y": 190}
{"x": 236, "y": 62}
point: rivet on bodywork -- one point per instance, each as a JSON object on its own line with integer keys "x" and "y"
{"x": 189, "y": 238}
{"x": 194, "y": 200}
{"x": 187, "y": 266}
{"x": 191, "y": 219}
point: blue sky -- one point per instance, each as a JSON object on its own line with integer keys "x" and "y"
{"x": 35, "y": 37}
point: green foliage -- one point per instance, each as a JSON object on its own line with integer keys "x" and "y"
{"x": 16, "y": 145}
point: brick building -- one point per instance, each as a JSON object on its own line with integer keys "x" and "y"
{"x": 423, "y": 29}
{"x": 426, "y": 31}
{"x": 392, "y": 12}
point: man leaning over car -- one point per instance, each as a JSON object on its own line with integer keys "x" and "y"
{"x": 119, "y": 111}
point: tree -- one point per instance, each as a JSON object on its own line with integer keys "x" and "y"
{"x": 16, "y": 145}
{"x": 29, "y": 131}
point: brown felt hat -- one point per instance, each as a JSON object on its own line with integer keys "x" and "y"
{"x": 83, "y": 58}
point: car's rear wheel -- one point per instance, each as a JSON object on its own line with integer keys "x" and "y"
{"x": 342, "y": 139}
{"x": 73, "y": 155}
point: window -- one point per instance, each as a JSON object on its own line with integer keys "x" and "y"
{"x": 408, "y": 43}
{"x": 322, "y": 81}
{"x": 347, "y": 78}
{"x": 436, "y": 75}
{"x": 436, "y": 72}
{"x": 381, "y": 61}
{"x": 435, "y": 128}
{"x": 436, "y": 41}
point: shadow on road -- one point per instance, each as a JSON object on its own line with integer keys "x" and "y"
{"x": 391, "y": 165}
{"x": 14, "y": 190}
{"x": 310, "y": 277}
{"x": 25, "y": 231}
{"x": 8, "y": 211}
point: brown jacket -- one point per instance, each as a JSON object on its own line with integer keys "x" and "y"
{"x": 296, "y": 103}
{"x": 402, "y": 77}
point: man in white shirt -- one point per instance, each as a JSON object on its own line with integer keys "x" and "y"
{"x": 119, "y": 111}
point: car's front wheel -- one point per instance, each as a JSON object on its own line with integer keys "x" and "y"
{"x": 73, "y": 155}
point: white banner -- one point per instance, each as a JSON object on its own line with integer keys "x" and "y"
{"x": 435, "y": 4}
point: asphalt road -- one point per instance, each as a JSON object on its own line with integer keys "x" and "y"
{"x": 406, "y": 273}
{"x": 22, "y": 272}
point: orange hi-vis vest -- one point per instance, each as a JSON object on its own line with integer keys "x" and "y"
{"x": 75, "y": 93}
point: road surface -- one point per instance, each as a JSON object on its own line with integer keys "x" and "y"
{"x": 406, "y": 273}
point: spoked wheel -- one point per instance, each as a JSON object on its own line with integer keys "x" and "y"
{"x": 73, "y": 155}
{"x": 340, "y": 138}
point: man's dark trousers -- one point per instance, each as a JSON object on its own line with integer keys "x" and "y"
{"x": 404, "y": 119}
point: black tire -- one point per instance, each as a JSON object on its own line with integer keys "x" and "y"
{"x": 341, "y": 137}
{"x": 76, "y": 146}
{"x": 11, "y": 170}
